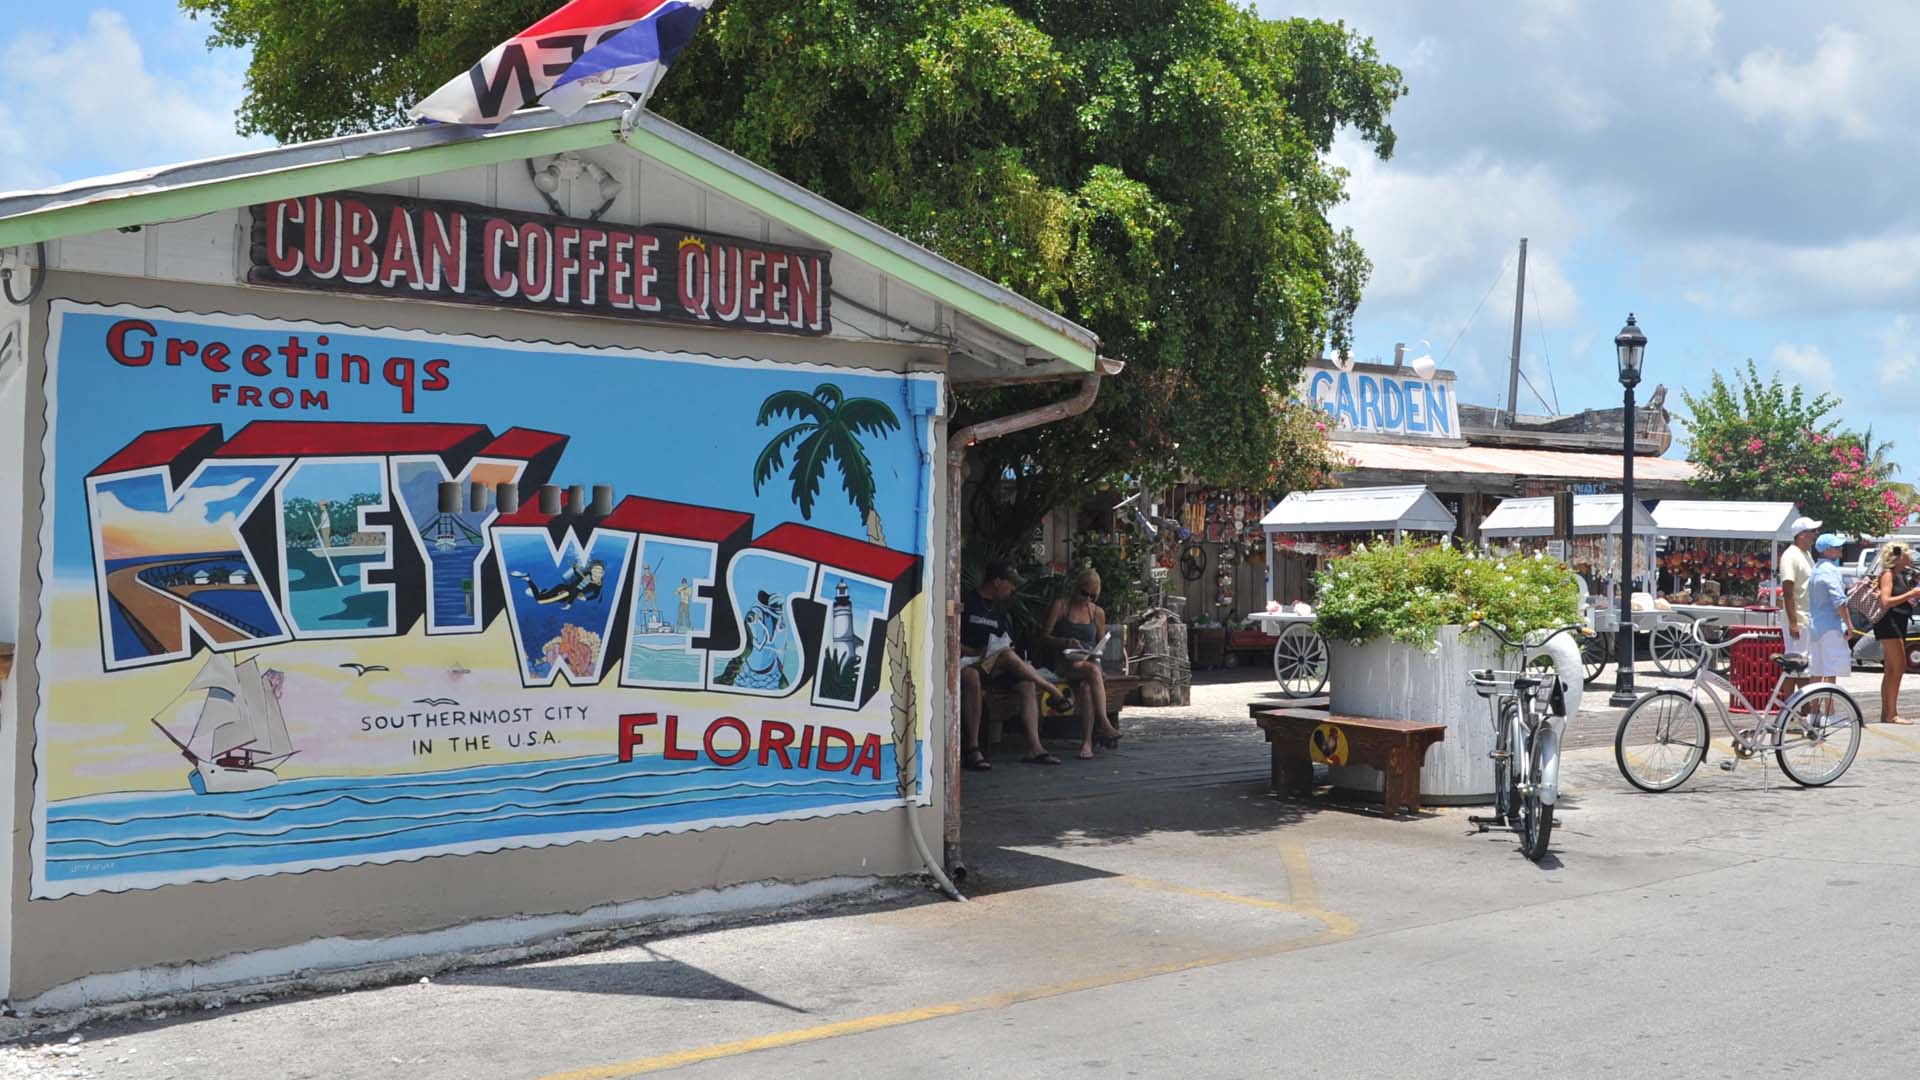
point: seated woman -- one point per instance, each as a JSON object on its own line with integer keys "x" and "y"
{"x": 1075, "y": 621}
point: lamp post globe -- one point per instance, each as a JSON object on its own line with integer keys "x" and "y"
{"x": 1631, "y": 346}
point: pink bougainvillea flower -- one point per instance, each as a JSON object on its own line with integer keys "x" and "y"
{"x": 1754, "y": 445}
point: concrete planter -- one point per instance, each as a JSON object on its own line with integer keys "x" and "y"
{"x": 1384, "y": 678}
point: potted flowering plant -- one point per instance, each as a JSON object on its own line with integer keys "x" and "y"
{"x": 1397, "y": 621}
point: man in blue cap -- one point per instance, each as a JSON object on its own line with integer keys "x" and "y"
{"x": 1827, "y": 611}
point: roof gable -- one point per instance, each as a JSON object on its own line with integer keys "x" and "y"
{"x": 893, "y": 289}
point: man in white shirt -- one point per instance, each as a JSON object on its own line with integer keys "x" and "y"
{"x": 1796, "y": 572}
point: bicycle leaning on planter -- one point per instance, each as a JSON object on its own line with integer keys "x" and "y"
{"x": 1526, "y": 751}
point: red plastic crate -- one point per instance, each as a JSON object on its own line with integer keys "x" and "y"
{"x": 1250, "y": 639}
{"x": 1752, "y": 668}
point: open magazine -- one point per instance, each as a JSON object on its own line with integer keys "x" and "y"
{"x": 998, "y": 645}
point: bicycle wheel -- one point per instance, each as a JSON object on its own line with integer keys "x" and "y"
{"x": 1661, "y": 740}
{"x": 1819, "y": 734}
{"x": 1300, "y": 661}
{"x": 1503, "y": 774}
{"x": 1536, "y": 819}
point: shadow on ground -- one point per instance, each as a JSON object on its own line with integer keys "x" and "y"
{"x": 656, "y": 976}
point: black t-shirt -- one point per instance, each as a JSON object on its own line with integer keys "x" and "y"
{"x": 980, "y": 619}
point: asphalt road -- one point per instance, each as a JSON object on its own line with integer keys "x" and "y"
{"x": 1156, "y": 913}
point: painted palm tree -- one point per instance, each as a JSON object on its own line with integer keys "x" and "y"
{"x": 828, "y": 428}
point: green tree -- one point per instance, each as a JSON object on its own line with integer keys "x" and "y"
{"x": 1761, "y": 439}
{"x": 829, "y": 429}
{"x": 1156, "y": 171}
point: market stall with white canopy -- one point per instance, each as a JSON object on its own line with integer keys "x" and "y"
{"x": 1720, "y": 529}
{"x": 1596, "y": 532}
{"x": 1299, "y": 655}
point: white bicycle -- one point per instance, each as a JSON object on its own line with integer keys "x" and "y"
{"x": 1813, "y": 733}
{"x": 1526, "y": 749}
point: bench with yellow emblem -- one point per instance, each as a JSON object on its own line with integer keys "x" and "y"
{"x": 1299, "y": 737}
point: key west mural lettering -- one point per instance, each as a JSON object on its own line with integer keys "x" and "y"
{"x": 325, "y": 595}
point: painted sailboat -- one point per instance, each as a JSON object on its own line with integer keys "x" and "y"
{"x": 241, "y": 736}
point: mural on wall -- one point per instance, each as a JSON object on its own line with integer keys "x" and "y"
{"x": 322, "y": 595}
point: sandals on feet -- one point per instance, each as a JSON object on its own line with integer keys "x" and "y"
{"x": 1041, "y": 758}
{"x": 1107, "y": 742}
{"x": 975, "y": 761}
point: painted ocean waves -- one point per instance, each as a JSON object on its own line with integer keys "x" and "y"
{"x": 110, "y": 842}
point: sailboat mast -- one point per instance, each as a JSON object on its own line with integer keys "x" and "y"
{"x": 1519, "y": 311}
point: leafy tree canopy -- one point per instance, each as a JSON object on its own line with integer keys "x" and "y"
{"x": 1153, "y": 170}
{"x": 1760, "y": 439}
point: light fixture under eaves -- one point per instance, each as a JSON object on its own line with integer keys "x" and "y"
{"x": 1424, "y": 365}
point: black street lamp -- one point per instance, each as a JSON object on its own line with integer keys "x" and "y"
{"x": 1631, "y": 345}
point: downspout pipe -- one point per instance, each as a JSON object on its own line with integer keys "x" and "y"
{"x": 957, "y": 443}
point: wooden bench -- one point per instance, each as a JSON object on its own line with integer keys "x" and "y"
{"x": 1398, "y": 748}
{"x": 1001, "y": 709}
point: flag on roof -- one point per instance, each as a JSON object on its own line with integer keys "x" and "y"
{"x": 583, "y": 50}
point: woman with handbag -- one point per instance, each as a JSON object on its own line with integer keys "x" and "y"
{"x": 1895, "y": 580}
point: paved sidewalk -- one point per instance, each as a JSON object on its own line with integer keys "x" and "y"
{"x": 1156, "y": 912}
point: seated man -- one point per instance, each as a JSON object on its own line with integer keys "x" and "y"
{"x": 987, "y": 661}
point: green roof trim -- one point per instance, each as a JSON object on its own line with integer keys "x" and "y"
{"x": 216, "y": 195}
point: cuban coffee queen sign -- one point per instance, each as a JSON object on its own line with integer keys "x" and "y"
{"x": 445, "y": 251}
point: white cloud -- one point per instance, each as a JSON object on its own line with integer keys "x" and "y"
{"x": 94, "y": 98}
{"x": 1450, "y": 230}
{"x": 1899, "y": 356}
{"x": 1693, "y": 23}
{"x": 1767, "y": 279}
{"x": 1831, "y": 89}
{"x": 1809, "y": 365}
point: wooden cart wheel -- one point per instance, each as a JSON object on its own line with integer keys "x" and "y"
{"x": 1674, "y": 651}
{"x": 1193, "y": 562}
{"x": 1596, "y": 653}
{"x": 1300, "y": 661}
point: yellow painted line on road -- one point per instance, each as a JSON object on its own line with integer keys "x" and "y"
{"x": 1304, "y": 901}
{"x": 1880, "y": 730}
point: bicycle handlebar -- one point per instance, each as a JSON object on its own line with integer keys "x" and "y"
{"x": 1718, "y": 645}
{"x": 1522, "y": 645}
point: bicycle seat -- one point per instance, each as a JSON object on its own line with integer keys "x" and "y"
{"x": 1526, "y": 683}
{"x": 1792, "y": 662}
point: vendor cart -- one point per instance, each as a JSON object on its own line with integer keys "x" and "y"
{"x": 1299, "y": 653}
{"x": 1707, "y": 541}
{"x": 1321, "y": 522}
{"x": 1527, "y": 525}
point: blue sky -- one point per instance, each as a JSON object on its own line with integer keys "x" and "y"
{"x": 99, "y": 89}
{"x": 1735, "y": 174}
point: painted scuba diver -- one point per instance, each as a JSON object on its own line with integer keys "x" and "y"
{"x": 763, "y": 666}
{"x": 582, "y": 582}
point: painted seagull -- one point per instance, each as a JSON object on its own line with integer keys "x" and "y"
{"x": 363, "y": 669}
